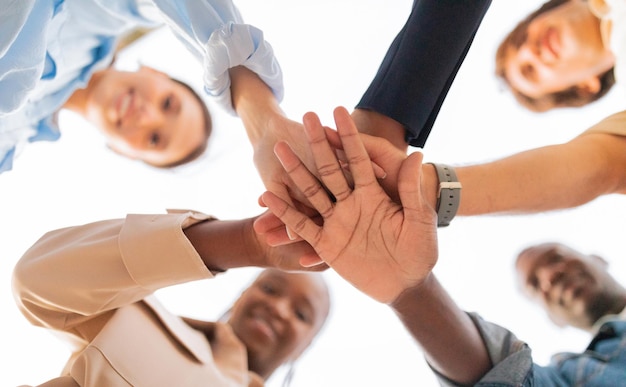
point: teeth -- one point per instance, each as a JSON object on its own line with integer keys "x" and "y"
{"x": 124, "y": 105}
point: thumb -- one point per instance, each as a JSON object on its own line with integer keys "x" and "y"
{"x": 409, "y": 185}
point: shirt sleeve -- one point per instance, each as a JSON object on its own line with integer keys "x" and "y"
{"x": 23, "y": 25}
{"x": 215, "y": 33}
{"x": 613, "y": 124}
{"x": 511, "y": 358}
{"x": 74, "y": 274}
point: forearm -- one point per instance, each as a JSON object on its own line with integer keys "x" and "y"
{"x": 254, "y": 102}
{"x": 450, "y": 340}
{"x": 224, "y": 245}
{"x": 543, "y": 179}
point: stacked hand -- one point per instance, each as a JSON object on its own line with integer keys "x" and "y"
{"x": 378, "y": 245}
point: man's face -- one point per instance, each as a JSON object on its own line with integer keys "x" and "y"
{"x": 575, "y": 289}
{"x": 146, "y": 115}
{"x": 561, "y": 48}
{"x": 278, "y": 316}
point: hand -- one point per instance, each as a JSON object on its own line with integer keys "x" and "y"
{"x": 280, "y": 128}
{"x": 379, "y": 246}
{"x": 290, "y": 255}
{"x": 229, "y": 354}
{"x": 384, "y": 155}
{"x": 227, "y": 244}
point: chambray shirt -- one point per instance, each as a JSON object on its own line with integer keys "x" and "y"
{"x": 603, "y": 363}
{"x": 50, "y": 48}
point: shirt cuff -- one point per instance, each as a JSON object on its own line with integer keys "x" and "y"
{"x": 511, "y": 357}
{"x": 156, "y": 251}
{"x": 234, "y": 45}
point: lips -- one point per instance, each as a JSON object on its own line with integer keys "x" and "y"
{"x": 550, "y": 44}
{"x": 263, "y": 327}
{"x": 125, "y": 105}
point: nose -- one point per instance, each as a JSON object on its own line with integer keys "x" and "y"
{"x": 547, "y": 276}
{"x": 281, "y": 308}
{"x": 138, "y": 129}
{"x": 529, "y": 53}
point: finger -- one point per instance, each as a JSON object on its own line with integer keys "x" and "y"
{"x": 273, "y": 230}
{"x": 267, "y": 222}
{"x": 328, "y": 167}
{"x": 358, "y": 159}
{"x": 281, "y": 191}
{"x": 333, "y": 138}
{"x": 303, "y": 226}
{"x": 303, "y": 179}
{"x": 409, "y": 187}
{"x": 313, "y": 261}
{"x": 379, "y": 172}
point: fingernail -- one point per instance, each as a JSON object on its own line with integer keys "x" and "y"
{"x": 291, "y": 237}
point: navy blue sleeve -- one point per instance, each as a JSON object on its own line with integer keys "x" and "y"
{"x": 421, "y": 63}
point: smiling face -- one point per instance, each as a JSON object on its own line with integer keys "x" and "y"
{"x": 146, "y": 115}
{"x": 575, "y": 289}
{"x": 558, "y": 50}
{"x": 278, "y": 316}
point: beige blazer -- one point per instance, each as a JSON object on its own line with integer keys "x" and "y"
{"x": 93, "y": 285}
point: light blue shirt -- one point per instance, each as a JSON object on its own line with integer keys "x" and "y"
{"x": 51, "y": 48}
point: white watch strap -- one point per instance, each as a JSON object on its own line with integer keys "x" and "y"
{"x": 449, "y": 194}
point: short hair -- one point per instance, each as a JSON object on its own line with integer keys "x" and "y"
{"x": 570, "y": 97}
{"x": 208, "y": 127}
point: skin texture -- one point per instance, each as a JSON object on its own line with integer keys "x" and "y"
{"x": 574, "y": 173}
{"x": 278, "y": 317}
{"x": 574, "y": 288}
{"x": 350, "y": 226}
{"x": 143, "y": 115}
{"x": 384, "y": 249}
{"x": 562, "y": 48}
{"x": 266, "y": 125}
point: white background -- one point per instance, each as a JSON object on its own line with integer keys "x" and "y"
{"x": 329, "y": 51}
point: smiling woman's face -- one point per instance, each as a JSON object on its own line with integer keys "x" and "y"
{"x": 278, "y": 316}
{"x": 146, "y": 115}
{"x": 560, "y": 49}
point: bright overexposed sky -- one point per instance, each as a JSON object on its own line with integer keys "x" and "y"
{"x": 329, "y": 52}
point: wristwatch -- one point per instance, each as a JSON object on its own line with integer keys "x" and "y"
{"x": 448, "y": 195}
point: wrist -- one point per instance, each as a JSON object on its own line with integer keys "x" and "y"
{"x": 407, "y": 299}
{"x": 253, "y": 101}
{"x": 225, "y": 244}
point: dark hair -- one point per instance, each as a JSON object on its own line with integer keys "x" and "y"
{"x": 570, "y": 97}
{"x": 208, "y": 127}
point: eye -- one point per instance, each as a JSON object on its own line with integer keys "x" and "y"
{"x": 303, "y": 316}
{"x": 268, "y": 289}
{"x": 533, "y": 282}
{"x": 553, "y": 258}
{"x": 155, "y": 139}
{"x": 167, "y": 103}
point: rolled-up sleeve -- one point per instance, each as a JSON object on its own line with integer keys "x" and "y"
{"x": 510, "y": 356}
{"x": 215, "y": 32}
{"x": 74, "y": 274}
